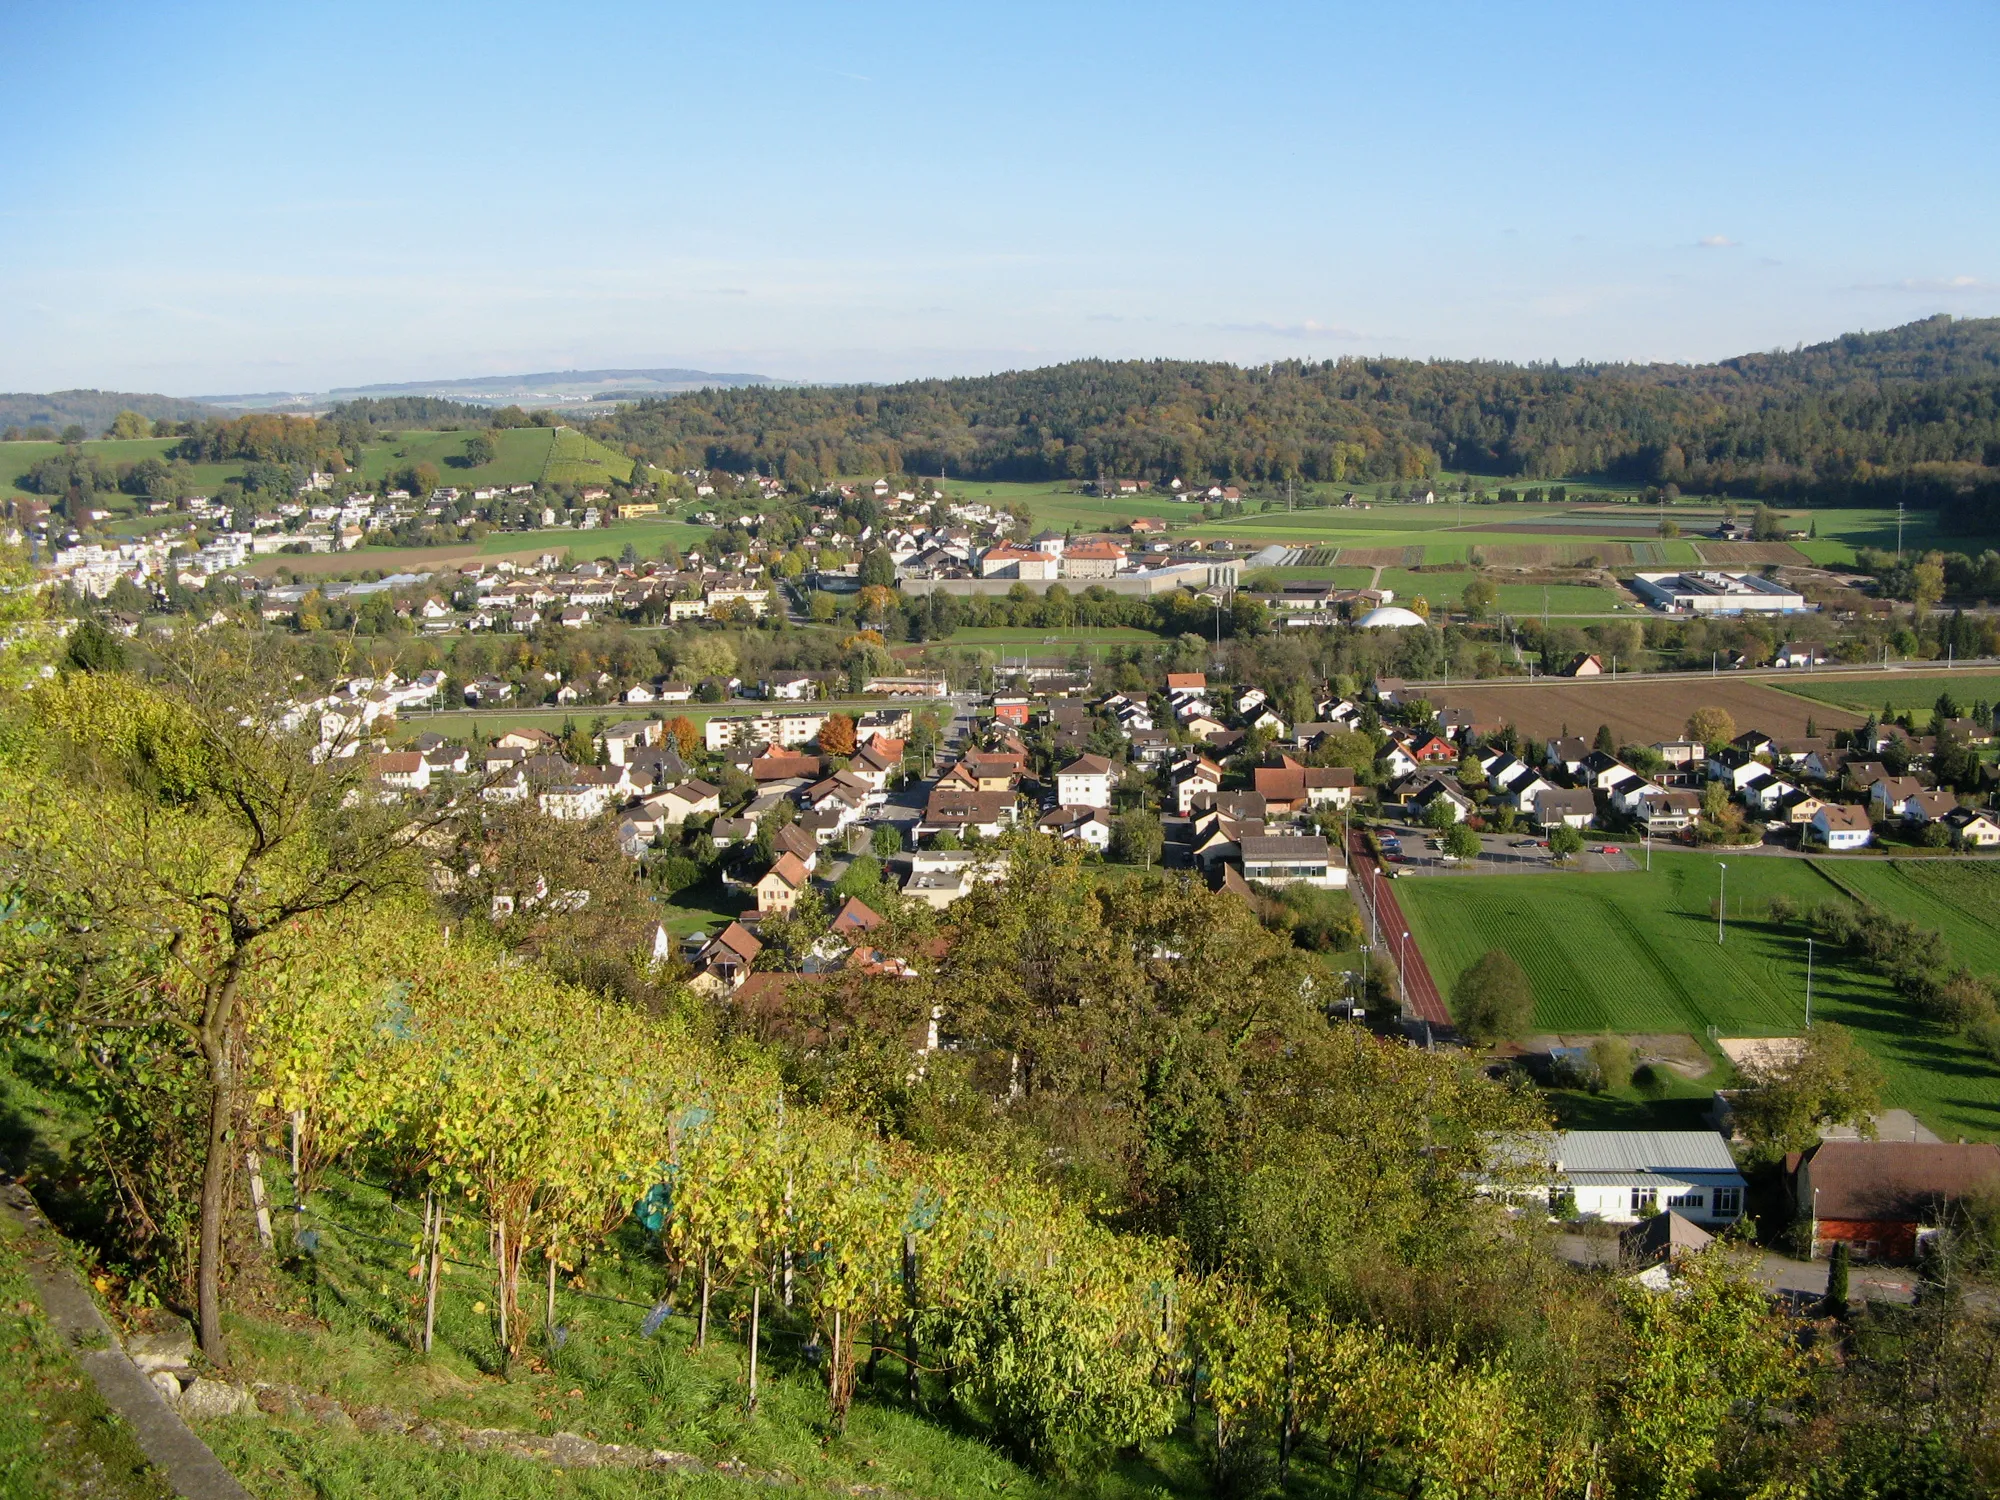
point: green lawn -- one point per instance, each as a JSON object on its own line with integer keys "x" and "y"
{"x": 1911, "y": 691}
{"x": 1638, "y": 952}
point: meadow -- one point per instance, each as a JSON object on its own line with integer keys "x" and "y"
{"x": 1914, "y": 691}
{"x": 1638, "y": 953}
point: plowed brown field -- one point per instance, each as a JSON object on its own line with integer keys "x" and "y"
{"x": 1639, "y": 710}
{"x": 1746, "y": 554}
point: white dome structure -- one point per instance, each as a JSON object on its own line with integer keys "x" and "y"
{"x": 1390, "y": 617}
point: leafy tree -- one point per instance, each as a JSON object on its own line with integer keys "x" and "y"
{"x": 1461, "y": 841}
{"x": 1829, "y": 1081}
{"x": 886, "y": 841}
{"x": 479, "y": 450}
{"x": 1479, "y": 598}
{"x": 1565, "y": 842}
{"x": 1612, "y": 1056}
{"x": 1441, "y": 815}
{"x": 686, "y": 737}
{"x": 1136, "y": 837}
{"x": 1493, "y": 999}
{"x": 836, "y": 735}
{"x": 129, "y": 424}
{"x": 165, "y": 835}
{"x": 1711, "y": 726}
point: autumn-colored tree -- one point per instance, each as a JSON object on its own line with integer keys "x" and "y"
{"x": 1711, "y": 726}
{"x": 686, "y": 737}
{"x": 836, "y": 736}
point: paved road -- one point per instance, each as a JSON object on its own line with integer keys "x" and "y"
{"x": 1798, "y": 1279}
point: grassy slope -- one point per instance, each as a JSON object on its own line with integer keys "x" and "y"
{"x": 1637, "y": 952}
{"x": 56, "y": 1437}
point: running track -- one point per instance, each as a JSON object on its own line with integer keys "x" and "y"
{"x": 1419, "y": 988}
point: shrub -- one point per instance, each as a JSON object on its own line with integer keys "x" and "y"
{"x": 1613, "y": 1057}
{"x": 1492, "y": 998}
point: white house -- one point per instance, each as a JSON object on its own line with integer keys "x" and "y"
{"x": 1622, "y": 1176}
{"x": 1086, "y": 782}
{"x": 1840, "y": 825}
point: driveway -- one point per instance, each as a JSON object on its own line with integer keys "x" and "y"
{"x": 1796, "y": 1280}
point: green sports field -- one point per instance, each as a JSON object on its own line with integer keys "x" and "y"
{"x": 1638, "y": 953}
{"x": 1912, "y": 691}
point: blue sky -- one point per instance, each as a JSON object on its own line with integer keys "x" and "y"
{"x": 208, "y": 198}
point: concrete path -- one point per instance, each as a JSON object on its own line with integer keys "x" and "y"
{"x": 193, "y": 1471}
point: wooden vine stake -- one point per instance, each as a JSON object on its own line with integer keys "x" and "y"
{"x": 257, "y": 1199}
{"x": 500, "y": 1238}
{"x": 756, "y": 1307}
{"x": 701, "y": 1324}
{"x": 910, "y": 1316}
{"x": 549, "y": 1316}
{"x": 434, "y": 1237}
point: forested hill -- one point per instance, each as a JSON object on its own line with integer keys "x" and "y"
{"x": 1912, "y": 412}
{"x": 93, "y": 410}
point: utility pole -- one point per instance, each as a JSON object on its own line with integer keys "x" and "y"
{"x": 1722, "y": 901}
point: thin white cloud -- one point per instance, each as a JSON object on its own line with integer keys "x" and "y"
{"x": 1932, "y": 286}
{"x": 1716, "y": 242}
{"x": 1306, "y": 330}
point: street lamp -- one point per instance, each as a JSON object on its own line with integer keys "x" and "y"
{"x": 1722, "y": 897}
{"x": 1403, "y": 984}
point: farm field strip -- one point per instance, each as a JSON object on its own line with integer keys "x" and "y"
{"x": 1901, "y": 691}
{"x": 1637, "y": 952}
{"x": 1640, "y": 710}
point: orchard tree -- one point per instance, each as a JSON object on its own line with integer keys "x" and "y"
{"x": 162, "y": 835}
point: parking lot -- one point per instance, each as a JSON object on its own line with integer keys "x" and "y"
{"x": 1499, "y": 854}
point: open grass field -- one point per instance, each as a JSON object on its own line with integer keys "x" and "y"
{"x": 1640, "y": 710}
{"x": 648, "y": 537}
{"x": 1515, "y": 598}
{"x": 1959, "y": 898}
{"x": 17, "y": 458}
{"x": 1916, "y": 692}
{"x": 1637, "y": 952}
{"x": 1015, "y": 641}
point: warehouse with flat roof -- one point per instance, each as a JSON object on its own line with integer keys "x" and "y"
{"x": 1709, "y": 591}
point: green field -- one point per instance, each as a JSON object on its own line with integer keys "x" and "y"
{"x": 1959, "y": 899}
{"x": 1914, "y": 691}
{"x": 1638, "y": 953}
{"x": 1515, "y": 598}
{"x": 1050, "y": 642}
{"x": 17, "y": 458}
{"x": 523, "y": 455}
